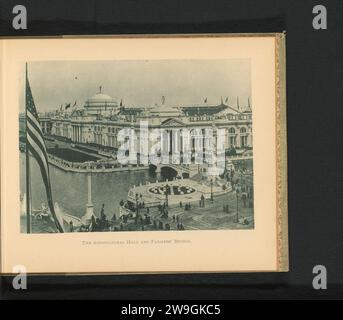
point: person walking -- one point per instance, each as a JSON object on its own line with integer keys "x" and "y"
{"x": 102, "y": 213}
{"x": 244, "y": 198}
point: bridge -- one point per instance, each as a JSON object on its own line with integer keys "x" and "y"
{"x": 189, "y": 170}
{"x": 182, "y": 170}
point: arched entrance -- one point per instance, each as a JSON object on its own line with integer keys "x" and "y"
{"x": 168, "y": 173}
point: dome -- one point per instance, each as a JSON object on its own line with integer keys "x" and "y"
{"x": 100, "y": 96}
{"x": 100, "y": 100}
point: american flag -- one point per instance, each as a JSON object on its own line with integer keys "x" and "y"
{"x": 36, "y": 146}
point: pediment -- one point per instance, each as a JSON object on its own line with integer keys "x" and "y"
{"x": 172, "y": 123}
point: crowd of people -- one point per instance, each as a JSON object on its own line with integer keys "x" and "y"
{"x": 136, "y": 216}
{"x": 131, "y": 221}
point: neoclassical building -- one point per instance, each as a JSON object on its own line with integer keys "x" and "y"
{"x": 101, "y": 118}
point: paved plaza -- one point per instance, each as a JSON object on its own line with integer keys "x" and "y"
{"x": 213, "y": 216}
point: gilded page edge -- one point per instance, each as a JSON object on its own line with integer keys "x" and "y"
{"x": 2, "y": 42}
{"x": 281, "y": 156}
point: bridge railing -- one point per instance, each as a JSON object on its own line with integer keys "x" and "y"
{"x": 239, "y": 157}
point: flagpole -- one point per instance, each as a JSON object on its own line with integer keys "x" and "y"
{"x": 28, "y": 191}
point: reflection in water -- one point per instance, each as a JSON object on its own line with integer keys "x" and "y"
{"x": 70, "y": 189}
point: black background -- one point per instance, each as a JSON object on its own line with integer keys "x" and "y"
{"x": 314, "y": 111}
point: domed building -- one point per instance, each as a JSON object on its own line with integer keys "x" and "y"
{"x": 100, "y": 103}
{"x": 100, "y": 120}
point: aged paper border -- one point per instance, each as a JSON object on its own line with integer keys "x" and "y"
{"x": 282, "y": 252}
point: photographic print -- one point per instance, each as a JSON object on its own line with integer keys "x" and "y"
{"x": 144, "y": 154}
{"x": 136, "y": 145}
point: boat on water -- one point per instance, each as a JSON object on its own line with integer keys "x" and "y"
{"x": 43, "y": 213}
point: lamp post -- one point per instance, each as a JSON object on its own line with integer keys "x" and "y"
{"x": 167, "y": 190}
{"x": 237, "y": 195}
{"x": 136, "y": 207}
{"x": 211, "y": 190}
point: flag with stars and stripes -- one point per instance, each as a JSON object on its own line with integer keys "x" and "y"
{"x": 36, "y": 146}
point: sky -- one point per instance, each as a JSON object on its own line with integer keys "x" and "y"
{"x": 140, "y": 83}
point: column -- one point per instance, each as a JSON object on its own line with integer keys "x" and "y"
{"x": 249, "y": 139}
{"x": 87, "y": 218}
{"x": 180, "y": 139}
{"x": 170, "y": 134}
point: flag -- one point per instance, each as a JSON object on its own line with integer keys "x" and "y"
{"x": 227, "y": 99}
{"x": 67, "y": 106}
{"x": 121, "y": 102}
{"x": 205, "y": 100}
{"x": 36, "y": 145}
{"x": 74, "y": 104}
